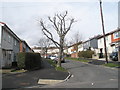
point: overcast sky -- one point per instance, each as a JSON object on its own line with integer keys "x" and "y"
{"x": 22, "y": 17}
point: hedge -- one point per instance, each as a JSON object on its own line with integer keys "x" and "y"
{"x": 86, "y": 54}
{"x": 29, "y": 61}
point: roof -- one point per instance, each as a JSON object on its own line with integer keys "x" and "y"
{"x": 42, "y": 47}
{"x": 25, "y": 43}
{"x": 95, "y": 37}
{"x": 75, "y": 44}
{"x": 116, "y": 30}
{"x": 2, "y": 23}
{"x": 10, "y": 31}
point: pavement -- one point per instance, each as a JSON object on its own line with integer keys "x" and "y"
{"x": 31, "y": 78}
{"x": 99, "y": 62}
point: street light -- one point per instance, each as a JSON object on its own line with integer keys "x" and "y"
{"x": 103, "y": 31}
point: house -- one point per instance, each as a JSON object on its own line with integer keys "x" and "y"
{"x": 74, "y": 49}
{"x": 53, "y": 51}
{"x": 115, "y": 39}
{"x": 92, "y": 43}
{"x": 24, "y": 47}
{"x": 112, "y": 43}
{"x": 80, "y": 47}
{"x": 50, "y": 51}
{"x": 9, "y": 45}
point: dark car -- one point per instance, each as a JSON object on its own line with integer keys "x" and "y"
{"x": 56, "y": 60}
{"x": 114, "y": 56}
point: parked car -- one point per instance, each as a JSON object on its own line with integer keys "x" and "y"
{"x": 52, "y": 57}
{"x": 114, "y": 56}
{"x": 56, "y": 60}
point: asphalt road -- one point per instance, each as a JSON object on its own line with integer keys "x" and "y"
{"x": 88, "y": 76}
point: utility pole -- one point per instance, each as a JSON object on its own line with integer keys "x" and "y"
{"x": 103, "y": 31}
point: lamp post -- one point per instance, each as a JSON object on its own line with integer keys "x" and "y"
{"x": 103, "y": 31}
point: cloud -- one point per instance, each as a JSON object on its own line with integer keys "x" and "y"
{"x": 22, "y": 17}
{"x": 58, "y": 0}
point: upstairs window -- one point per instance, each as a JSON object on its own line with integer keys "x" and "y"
{"x": 15, "y": 43}
{"x": 4, "y": 35}
{"x": 116, "y": 35}
{"x": 9, "y": 38}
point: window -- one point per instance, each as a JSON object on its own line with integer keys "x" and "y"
{"x": 106, "y": 38}
{"x": 100, "y": 40}
{"x": 9, "y": 38}
{"x": 4, "y": 36}
{"x": 116, "y": 35}
{"x": 15, "y": 43}
{"x": 9, "y": 55}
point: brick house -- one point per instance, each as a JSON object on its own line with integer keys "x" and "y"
{"x": 24, "y": 47}
{"x": 75, "y": 49}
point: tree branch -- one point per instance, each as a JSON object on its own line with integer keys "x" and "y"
{"x": 46, "y": 32}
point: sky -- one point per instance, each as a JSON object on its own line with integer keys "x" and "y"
{"x": 23, "y": 17}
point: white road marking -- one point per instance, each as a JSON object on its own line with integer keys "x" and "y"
{"x": 92, "y": 83}
{"x": 72, "y": 76}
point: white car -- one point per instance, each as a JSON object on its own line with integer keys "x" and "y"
{"x": 52, "y": 57}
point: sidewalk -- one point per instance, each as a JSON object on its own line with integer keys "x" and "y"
{"x": 31, "y": 78}
{"x": 100, "y": 62}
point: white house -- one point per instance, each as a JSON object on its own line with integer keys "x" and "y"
{"x": 112, "y": 40}
{"x": 80, "y": 47}
{"x": 50, "y": 51}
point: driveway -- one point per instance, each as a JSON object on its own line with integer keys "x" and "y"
{"x": 88, "y": 76}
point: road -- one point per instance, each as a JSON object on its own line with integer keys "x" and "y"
{"x": 88, "y": 76}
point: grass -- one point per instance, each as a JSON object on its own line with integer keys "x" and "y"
{"x": 108, "y": 64}
{"x": 6, "y": 71}
{"x": 61, "y": 69}
{"x": 77, "y": 59}
{"x": 51, "y": 62}
{"x": 112, "y": 65}
{"x": 55, "y": 65}
{"x": 22, "y": 70}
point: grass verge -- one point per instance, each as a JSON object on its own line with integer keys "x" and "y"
{"x": 7, "y": 71}
{"x": 108, "y": 64}
{"x": 112, "y": 65}
{"x": 61, "y": 69}
{"x": 55, "y": 65}
{"x": 77, "y": 59}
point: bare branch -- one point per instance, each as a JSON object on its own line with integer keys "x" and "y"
{"x": 58, "y": 22}
{"x": 46, "y": 32}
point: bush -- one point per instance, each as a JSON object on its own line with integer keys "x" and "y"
{"x": 21, "y": 60}
{"x": 86, "y": 54}
{"x": 32, "y": 61}
{"x": 29, "y": 61}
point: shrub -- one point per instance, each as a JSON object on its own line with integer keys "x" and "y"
{"x": 86, "y": 54}
{"x": 29, "y": 61}
{"x": 21, "y": 60}
{"x": 32, "y": 61}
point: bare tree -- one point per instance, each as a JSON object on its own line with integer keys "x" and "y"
{"x": 76, "y": 38}
{"x": 44, "y": 43}
{"x": 61, "y": 24}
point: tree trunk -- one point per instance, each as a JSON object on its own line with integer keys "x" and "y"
{"x": 60, "y": 52}
{"x": 46, "y": 52}
{"x": 59, "y": 58}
